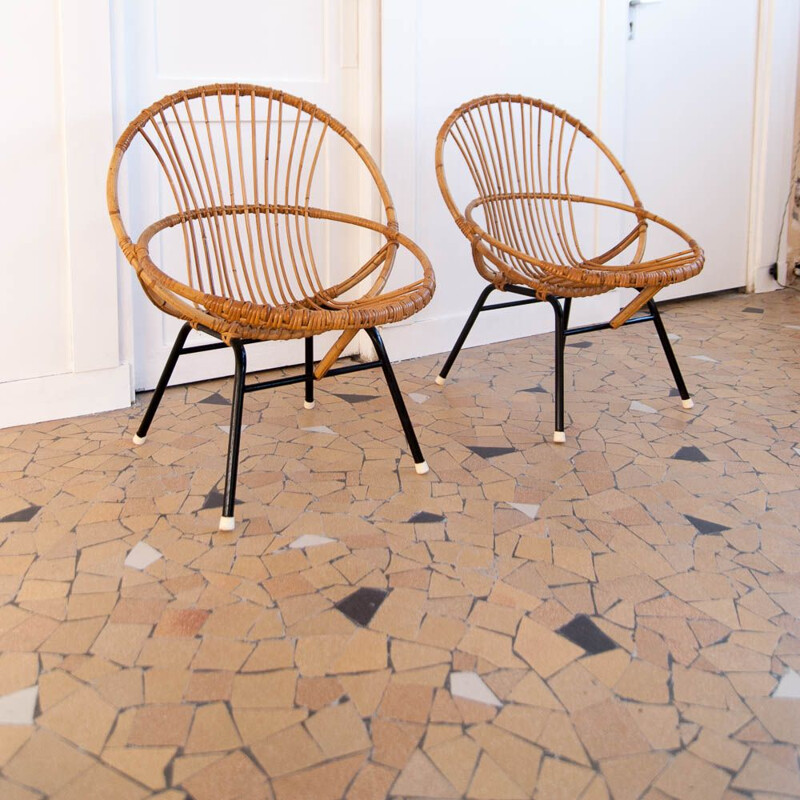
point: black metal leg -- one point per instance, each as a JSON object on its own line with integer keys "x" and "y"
{"x": 399, "y": 403}
{"x": 462, "y": 337}
{"x": 567, "y": 309}
{"x": 226, "y": 522}
{"x": 560, "y": 342}
{"x": 668, "y": 352}
{"x": 158, "y": 392}
{"x": 309, "y": 382}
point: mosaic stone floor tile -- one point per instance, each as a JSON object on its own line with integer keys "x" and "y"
{"x": 141, "y": 556}
{"x": 471, "y": 686}
{"x": 530, "y": 510}
{"x": 788, "y": 686}
{"x": 309, "y": 540}
{"x": 703, "y": 357}
{"x": 642, "y": 408}
{"x": 226, "y": 429}
{"x": 24, "y": 515}
{"x": 418, "y": 397}
{"x": 425, "y": 516}
{"x": 355, "y": 398}
{"x": 706, "y": 526}
{"x": 491, "y": 452}
{"x": 583, "y": 632}
{"x": 361, "y": 605}
{"x": 223, "y": 666}
{"x": 691, "y": 453}
{"x": 320, "y": 429}
{"x": 216, "y": 399}
{"x": 535, "y": 390}
{"x": 17, "y": 708}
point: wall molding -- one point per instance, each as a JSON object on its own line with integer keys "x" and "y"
{"x": 71, "y": 394}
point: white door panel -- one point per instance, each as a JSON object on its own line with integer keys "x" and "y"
{"x": 308, "y": 48}
{"x": 689, "y": 122}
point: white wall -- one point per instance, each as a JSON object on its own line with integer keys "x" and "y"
{"x": 60, "y": 331}
{"x": 66, "y": 316}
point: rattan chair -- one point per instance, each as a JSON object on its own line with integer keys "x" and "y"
{"x": 239, "y": 162}
{"x": 524, "y": 223}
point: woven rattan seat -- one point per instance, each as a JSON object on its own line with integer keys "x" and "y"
{"x": 523, "y": 229}
{"x": 242, "y": 165}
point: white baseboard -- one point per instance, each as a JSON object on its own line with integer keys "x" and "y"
{"x": 68, "y": 395}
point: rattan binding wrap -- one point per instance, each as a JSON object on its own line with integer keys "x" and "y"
{"x": 518, "y": 151}
{"x": 240, "y": 162}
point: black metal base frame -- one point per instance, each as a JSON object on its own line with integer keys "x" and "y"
{"x": 561, "y": 309}
{"x": 240, "y": 388}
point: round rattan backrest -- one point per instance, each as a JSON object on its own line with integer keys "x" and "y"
{"x": 520, "y": 153}
{"x": 239, "y": 162}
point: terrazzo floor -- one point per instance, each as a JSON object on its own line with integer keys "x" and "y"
{"x": 617, "y": 616}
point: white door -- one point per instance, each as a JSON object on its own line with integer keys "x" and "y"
{"x": 308, "y": 48}
{"x": 689, "y": 126}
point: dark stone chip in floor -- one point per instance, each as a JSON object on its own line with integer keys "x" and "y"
{"x": 705, "y": 525}
{"x": 355, "y": 398}
{"x": 581, "y": 345}
{"x": 361, "y": 605}
{"x": 426, "y": 516}
{"x": 673, "y": 392}
{"x": 216, "y": 399}
{"x": 24, "y": 515}
{"x": 752, "y": 310}
{"x": 535, "y": 390}
{"x": 690, "y": 454}
{"x": 584, "y": 633}
{"x": 491, "y": 452}
{"x": 215, "y": 499}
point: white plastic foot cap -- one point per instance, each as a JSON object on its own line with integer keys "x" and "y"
{"x": 309, "y": 404}
{"x": 559, "y": 436}
{"x": 227, "y": 523}
{"x": 139, "y": 439}
{"x": 688, "y": 403}
{"x": 421, "y": 468}
{"x": 440, "y": 380}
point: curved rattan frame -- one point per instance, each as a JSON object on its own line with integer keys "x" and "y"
{"x": 527, "y": 202}
{"x": 528, "y": 244}
{"x": 247, "y": 318}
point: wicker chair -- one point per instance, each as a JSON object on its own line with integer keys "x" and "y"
{"x": 524, "y": 223}
{"x": 239, "y": 162}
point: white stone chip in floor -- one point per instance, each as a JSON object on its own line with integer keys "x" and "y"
{"x": 642, "y": 407}
{"x": 227, "y": 428}
{"x": 309, "y": 540}
{"x": 705, "y": 358}
{"x": 470, "y": 686}
{"x": 788, "y": 686}
{"x": 319, "y": 429}
{"x": 528, "y": 509}
{"x": 141, "y": 556}
{"x": 17, "y": 708}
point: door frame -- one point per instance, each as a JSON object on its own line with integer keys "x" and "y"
{"x": 771, "y": 164}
